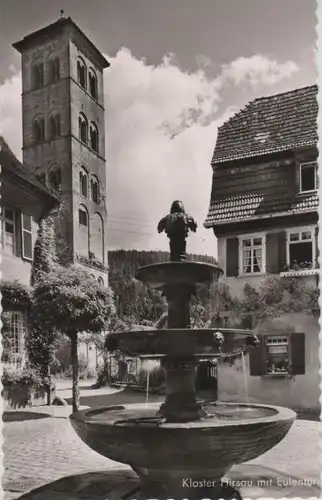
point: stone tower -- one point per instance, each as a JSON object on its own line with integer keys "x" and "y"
{"x": 64, "y": 134}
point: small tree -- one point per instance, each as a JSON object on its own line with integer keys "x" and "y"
{"x": 71, "y": 301}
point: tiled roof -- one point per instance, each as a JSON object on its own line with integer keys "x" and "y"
{"x": 10, "y": 165}
{"x": 244, "y": 207}
{"x": 268, "y": 125}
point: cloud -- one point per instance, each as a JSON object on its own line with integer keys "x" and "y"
{"x": 257, "y": 70}
{"x": 161, "y": 128}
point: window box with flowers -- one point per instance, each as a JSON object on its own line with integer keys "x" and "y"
{"x": 278, "y": 355}
{"x": 23, "y": 387}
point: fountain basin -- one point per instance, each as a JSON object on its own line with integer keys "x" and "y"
{"x": 181, "y": 341}
{"x": 165, "y": 453}
{"x": 173, "y": 273}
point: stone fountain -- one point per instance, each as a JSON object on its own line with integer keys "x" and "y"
{"x": 183, "y": 448}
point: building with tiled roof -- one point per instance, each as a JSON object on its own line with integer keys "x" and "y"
{"x": 264, "y": 213}
{"x": 268, "y": 131}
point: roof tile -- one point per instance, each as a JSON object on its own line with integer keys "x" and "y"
{"x": 268, "y": 125}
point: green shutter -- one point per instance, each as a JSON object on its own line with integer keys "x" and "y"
{"x": 272, "y": 253}
{"x": 232, "y": 257}
{"x": 298, "y": 354}
{"x": 26, "y": 236}
{"x": 257, "y": 358}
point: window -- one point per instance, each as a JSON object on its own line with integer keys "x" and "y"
{"x": 38, "y": 130}
{"x": 8, "y": 230}
{"x": 95, "y": 189}
{"x": 37, "y": 76}
{"x": 26, "y": 226}
{"x": 54, "y": 70}
{"x": 13, "y": 336}
{"x": 252, "y": 254}
{"x": 83, "y": 183}
{"x": 100, "y": 281}
{"x": 54, "y": 178}
{"x": 92, "y": 83}
{"x": 54, "y": 127}
{"x": 308, "y": 177}
{"x": 93, "y": 133}
{"x": 277, "y": 355}
{"x": 300, "y": 250}
{"x": 82, "y": 217}
{"x": 81, "y": 73}
{"x": 82, "y": 128}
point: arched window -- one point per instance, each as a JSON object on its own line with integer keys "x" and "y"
{"x": 82, "y": 128}
{"x": 54, "y": 178}
{"x": 95, "y": 189}
{"x": 83, "y": 183}
{"x": 92, "y": 83}
{"x": 54, "y": 127}
{"x": 93, "y": 137}
{"x": 54, "y": 70}
{"x": 81, "y": 73}
{"x": 38, "y": 130}
{"x": 82, "y": 216}
{"x": 37, "y": 75}
{"x": 100, "y": 280}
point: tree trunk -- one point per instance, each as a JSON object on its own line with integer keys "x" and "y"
{"x": 49, "y": 386}
{"x": 74, "y": 359}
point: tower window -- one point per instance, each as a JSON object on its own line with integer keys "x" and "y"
{"x": 81, "y": 73}
{"x": 54, "y": 127}
{"x": 95, "y": 189}
{"x": 37, "y": 75}
{"x": 83, "y": 183}
{"x": 92, "y": 83}
{"x": 93, "y": 133}
{"x": 82, "y": 217}
{"x": 55, "y": 179}
{"x": 82, "y": 128}
{"x": 38, "y": 130}
{"x": 54, "y": 70}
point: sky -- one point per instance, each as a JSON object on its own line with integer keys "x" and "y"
{"x": 179, "y": 69}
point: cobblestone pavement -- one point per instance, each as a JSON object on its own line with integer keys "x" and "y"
{"x": 37, "y": 452}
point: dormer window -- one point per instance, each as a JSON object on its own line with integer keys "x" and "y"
{"x": 308, "y": 177}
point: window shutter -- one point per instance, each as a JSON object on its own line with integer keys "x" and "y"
{"x": 317, "y": 251}
{"x": 272, "y": 253}
{"x": 297, "y": 353}
{"x": 26, "y": 236}
{"x": 232, "y": 257}
{"x": 281, "y": 250}
{"x": 257, "y": 358}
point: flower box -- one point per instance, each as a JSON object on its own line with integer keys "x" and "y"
{"x": 23, "y": 388}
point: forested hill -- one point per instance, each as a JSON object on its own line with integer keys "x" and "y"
{"x": 126, "y": 262}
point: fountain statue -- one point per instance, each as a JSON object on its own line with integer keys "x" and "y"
{"x": 183, "y": 448}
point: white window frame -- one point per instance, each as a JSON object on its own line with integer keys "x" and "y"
{"x": 305, "y": 164}
{"x": 300, "y": 230}
{"x": 5, "y": 219}
{"x": 18, "y": 328}
{"x": 252, "y": 236}
{"x": 278, "y": 340}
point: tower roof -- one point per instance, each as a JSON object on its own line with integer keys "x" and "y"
{"x": 56, "y": 28}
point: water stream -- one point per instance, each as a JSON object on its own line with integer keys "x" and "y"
{"x": 147, "y": 387}
{"x": 245, "y": 378}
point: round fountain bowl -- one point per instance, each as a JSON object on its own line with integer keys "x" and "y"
{"x": 187, "y": 272}
{"x": 206, "y": 448}
{"x": 181, "y": 341}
